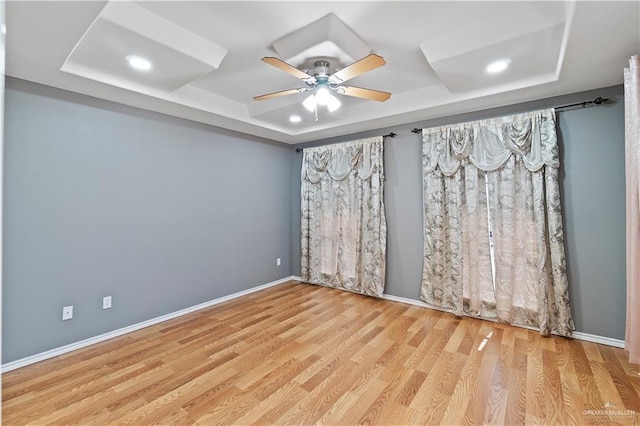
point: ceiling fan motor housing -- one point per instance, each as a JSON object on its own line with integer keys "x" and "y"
{"x": 322, "y": 68}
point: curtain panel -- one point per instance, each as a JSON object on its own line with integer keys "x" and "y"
{"x": 632, "y": 175}
{"x": 493, "y": 236}
{"x": 344, "y": 230}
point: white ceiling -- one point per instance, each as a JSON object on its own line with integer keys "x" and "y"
{"x": 207, "y": 67}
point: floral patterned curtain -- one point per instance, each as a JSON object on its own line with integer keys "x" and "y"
{"x": 344, "y": 230}
{"x": 493, "y": 236}
{"x": 632, "y": 172}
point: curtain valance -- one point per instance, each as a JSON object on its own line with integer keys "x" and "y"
{"x": 488, "y": 144}
{"x": 340, "y": 159}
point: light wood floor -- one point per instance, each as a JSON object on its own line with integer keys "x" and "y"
{"x": 301, "y": 354}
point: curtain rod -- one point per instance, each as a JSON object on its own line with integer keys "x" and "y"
{"x": 597, "y": 101}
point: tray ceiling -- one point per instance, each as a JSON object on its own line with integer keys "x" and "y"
{"x": 206, "y": 66}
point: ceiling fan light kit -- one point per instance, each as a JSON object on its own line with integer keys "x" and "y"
{"x": 322, "y": 94}
{"x": 322, "y": 82}
{"x": 333, "y": 103}
{"x": 312, "y": 102}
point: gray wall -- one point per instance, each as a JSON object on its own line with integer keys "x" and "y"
{"x": 592, "y": 149}
{"x": 103, "y": 199}
{"x": 594, "y": 217}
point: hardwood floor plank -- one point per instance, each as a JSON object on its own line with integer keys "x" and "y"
{"x": 290, "y": 395}
{"x": 461, "y": 395}
{"x": 412, "y": 386}
{"x": 553, "y": 396}
{"x": 372, "y": 392}
{"x": 374, "y": 409}
{"x": 469, "y": 338}
{"x": 434, "y": 345}
{"x": 535, "y": 395}
{"x": 396, "y": 413}
{"x": 434, "y": 395}
{"x": 338, "y": 409}
{"x": 571, "y": 391}
{"x": 496, "y": 410}
{"x": 479, "y": 390}
{"x": 516, "y": 407}
{"x": 304, "y": 354}
{"x": 227, "y": 412}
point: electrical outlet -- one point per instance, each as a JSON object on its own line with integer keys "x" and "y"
{"x": 106, "y": 302}
{"x": 67, "y": 313}
{"x": 278, "y": 262}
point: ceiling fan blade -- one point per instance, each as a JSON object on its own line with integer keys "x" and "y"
{"x": 359, "y": 92}
{"x": 357, "y": 68}
{"x": 282, "y": 65}
{"x": 281, "y": 93}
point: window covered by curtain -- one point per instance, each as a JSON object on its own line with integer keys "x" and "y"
{"x": 493, "y": 236}
{"x": 632, "y": 172}
{"x": 344, "y": 231}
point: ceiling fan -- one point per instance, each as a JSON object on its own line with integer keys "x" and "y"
{"x": 322, "y": 82}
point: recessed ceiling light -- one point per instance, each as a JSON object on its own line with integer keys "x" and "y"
{"x": 295, "y": 118}
{"x": 139, "y": 63}
{"x": 498, "y": 66}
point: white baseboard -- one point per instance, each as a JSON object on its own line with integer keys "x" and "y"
{"x": 598, "y": 339}
{"x": 23, "y": 362}
{"x": 576, "y": 334}
{"x": 408, "y": 301}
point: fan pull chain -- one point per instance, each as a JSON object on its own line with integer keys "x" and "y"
{"x": 316, "y": 112}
